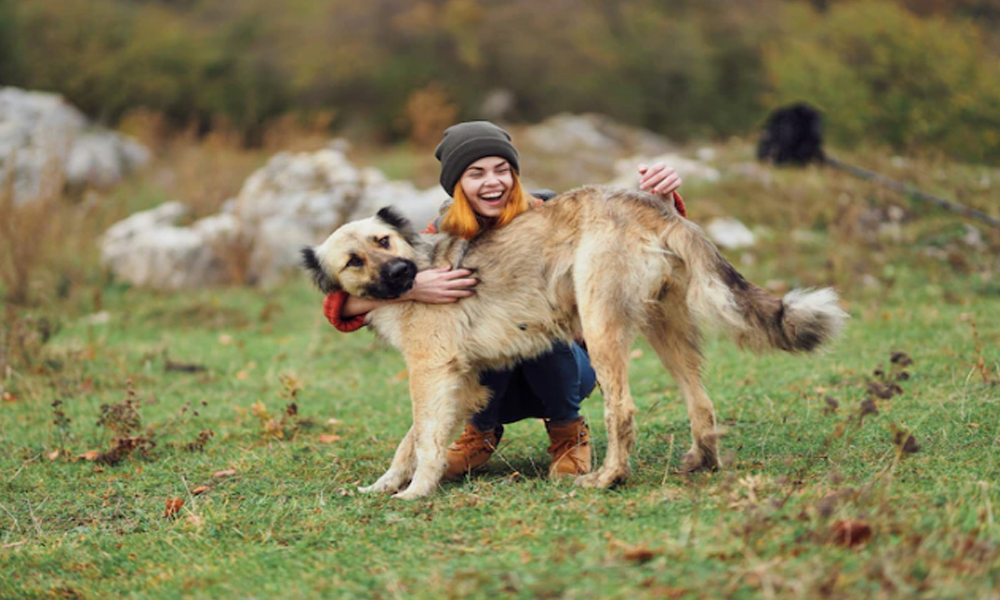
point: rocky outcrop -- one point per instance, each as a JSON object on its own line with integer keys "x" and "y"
{"x": 295, "y": 200}
{"x": 46, "y": 144}
{"x": 569, "y": 150}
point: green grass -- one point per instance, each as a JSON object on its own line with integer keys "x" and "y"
{"x": 290, "y": 523}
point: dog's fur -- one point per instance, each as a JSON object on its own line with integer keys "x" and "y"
{"x": 603, "y": 263}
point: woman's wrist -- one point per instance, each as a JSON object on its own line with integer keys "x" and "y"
{"x": 358, "y": 306}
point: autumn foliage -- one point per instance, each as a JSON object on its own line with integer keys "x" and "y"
{"x": 904, "y": 72}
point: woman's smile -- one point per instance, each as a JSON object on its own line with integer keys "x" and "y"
{"x": 486, "y": 183}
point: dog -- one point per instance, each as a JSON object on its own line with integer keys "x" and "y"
{"x": 595, "y": 262}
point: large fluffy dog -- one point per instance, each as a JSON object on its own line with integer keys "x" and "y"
{"x": 603, "y": 263}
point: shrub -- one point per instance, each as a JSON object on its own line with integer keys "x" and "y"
{"x": 883, "y": 74}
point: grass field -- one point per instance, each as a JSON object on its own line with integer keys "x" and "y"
{"x": 836, "y": 484}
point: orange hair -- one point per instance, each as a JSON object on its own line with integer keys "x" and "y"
{"x": 462, "y": 221}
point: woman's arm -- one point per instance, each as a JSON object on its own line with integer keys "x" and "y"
{"x": 354, "y": 306}
{"x": 432, "y": 286}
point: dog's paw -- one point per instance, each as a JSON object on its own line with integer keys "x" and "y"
{"x": 700, "y": 460}
{"x": 411, "y": 493}
{"x": 385, "y": 485}
{"x": 602, "y": 478}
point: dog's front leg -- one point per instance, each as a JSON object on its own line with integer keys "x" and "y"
{"x": 401, "y": 469}
{"x": 436, "y": 416}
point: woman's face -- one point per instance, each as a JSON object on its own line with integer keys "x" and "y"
{"x": 487, "y": 183}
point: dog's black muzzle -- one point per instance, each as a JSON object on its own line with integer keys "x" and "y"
{"x": 395, "y": 279}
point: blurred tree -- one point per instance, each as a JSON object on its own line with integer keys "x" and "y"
{"x": 682, "y": 67}
{"x": 880, "y": 72}
{"x": 11, "y": 46}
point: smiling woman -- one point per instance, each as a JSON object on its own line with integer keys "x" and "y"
{"x": 489, "y": 194}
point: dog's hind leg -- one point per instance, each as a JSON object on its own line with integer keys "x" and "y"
{"x": 609, "y": 340}
{"x": 675, "y": 338}
{"x": 400, "y": 471}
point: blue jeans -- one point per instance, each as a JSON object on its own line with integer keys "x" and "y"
{"x": 551, "y": 386}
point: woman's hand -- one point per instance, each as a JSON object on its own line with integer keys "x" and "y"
{"x": 441, "y": 286}
{"x": 658, "y": 179}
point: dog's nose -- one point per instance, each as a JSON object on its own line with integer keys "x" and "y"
{"x": 399, "y": 270}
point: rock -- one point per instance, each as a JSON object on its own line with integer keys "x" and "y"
{"x": 100, "y": 159}
{"x": 147, "y": 249}
{"x": 730, "y": 233}
{"x": 690, "y": 170}
{"x": 568, "y": 150}
{"x": 498, "y": 105}
{"x": 295, "y": 200}
{"x": 46, "y": 144}
{"x": 973, "y": 237}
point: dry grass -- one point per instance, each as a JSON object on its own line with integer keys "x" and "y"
{"x": 204, "y": 171}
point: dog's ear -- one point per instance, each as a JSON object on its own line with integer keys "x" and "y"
{"x": 392, "y": 218}
{"x": 310, "y": 262}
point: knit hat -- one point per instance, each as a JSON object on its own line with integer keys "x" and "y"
{"x": 465, "y": 143}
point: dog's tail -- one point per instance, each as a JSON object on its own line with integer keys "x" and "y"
{"x": 717, "y": 293}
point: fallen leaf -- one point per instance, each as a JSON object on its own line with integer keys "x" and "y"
{"x": 173, "y": 506}
{"x": 333, "y": 421}
{"x": 195, "y": 520}
{"x": 52, "y": 455}
{"x": 666, "y": 591}
{"x": 328, "y": 438}
{"x": 8, "y": 397}
{"x": 637, "y": 353}
{"x": 221, "y": 474}
{"x": 636, "y": 553}
{"x": 90, "y": 455}
{"x": 225, "y": 339}
{"x": 201, "y": 489}
{"x": 850, "y": 533}
{"x": 639, "y": 554}
{"x": 274, "y": 427}
{"x": 401, "y": 376}
{"x": 242, "y": 375}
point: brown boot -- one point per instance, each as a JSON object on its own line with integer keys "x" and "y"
{"x": 570, "y": 447}
{"x": 471, "y": 450}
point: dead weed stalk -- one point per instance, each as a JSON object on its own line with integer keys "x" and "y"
{"x": 124, "y": 421}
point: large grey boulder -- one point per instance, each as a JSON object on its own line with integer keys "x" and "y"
{"x": 295, "y": 200}
{"x": 100, "y": 159}
{"x": 149, "y": 249}
{"x": 47, "y": 144}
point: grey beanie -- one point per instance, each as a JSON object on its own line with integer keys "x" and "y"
{"x": 465, "y": 143}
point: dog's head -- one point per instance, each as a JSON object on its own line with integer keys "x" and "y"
{"x": 371, "y": 258}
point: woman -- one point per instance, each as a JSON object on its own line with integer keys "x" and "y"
{"x": 479, "y": 170}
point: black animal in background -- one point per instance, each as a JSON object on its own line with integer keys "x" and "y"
{"x": 793, "y": 135}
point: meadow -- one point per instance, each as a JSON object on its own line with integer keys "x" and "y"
{"x": 210, "y": 444}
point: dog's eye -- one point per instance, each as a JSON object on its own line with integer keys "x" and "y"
{"x": 383, "y": 242}
{"x": 355, "y": 261}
